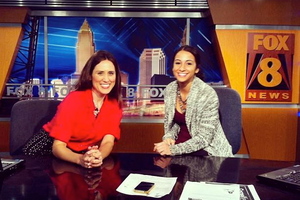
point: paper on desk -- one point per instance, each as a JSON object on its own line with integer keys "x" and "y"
{"x": 162, "y": 187}
{"x": 210, "y": 191}
{"x": 217, "y": 191}
{"x": 248, "y": 192}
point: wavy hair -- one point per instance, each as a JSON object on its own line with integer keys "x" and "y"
{"x": 85, "y": 79}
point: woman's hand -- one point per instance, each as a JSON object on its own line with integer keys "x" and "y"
{"x": 163, "y": 148}
{"x": 169, "y": 141}
{"x": 92, "y": 158}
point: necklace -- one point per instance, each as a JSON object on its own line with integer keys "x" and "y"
{"x": 182, "y": 104}
{"x": 96, "y": 112}
{"x": 98, "y": 106}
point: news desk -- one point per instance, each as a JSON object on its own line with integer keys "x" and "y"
{"x": 49, "y": 178}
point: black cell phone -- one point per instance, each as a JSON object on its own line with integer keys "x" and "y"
{"x": 144, "y": 187}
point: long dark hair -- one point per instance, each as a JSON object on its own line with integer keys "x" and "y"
{"x": 85, "y": 79}
{"x": 196, "y": 53}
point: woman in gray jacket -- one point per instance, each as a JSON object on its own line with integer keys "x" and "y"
{"x": 191, "y": 123}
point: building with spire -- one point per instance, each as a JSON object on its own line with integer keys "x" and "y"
{"x": 85, "y": 46}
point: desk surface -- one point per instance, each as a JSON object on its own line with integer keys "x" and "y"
{"x": 50, "y": 178}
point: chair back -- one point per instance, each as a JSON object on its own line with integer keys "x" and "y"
{"x": 27, "y": 118}
{"x": 230, "y": 111}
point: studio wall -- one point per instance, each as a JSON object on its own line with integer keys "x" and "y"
{"x": 11, "y": 20}
{"x": 270, "y": 123}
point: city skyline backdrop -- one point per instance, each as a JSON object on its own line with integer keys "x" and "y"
{"x": 126, "y": 38}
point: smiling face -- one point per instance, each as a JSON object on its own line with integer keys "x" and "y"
{"x": 104, "y": 77}
{"x": 184, "y": 67}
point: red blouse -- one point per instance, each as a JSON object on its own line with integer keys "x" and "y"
{"x": 75, "y": 123}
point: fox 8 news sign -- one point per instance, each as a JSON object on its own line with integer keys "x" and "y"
{"x": 269, "y": 67}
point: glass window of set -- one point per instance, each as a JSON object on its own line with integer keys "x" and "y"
{"x": 142, "y": 43}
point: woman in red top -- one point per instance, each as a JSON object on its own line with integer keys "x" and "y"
{"x": 87, "y": 121}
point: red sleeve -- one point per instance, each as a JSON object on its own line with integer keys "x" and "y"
{"x": 60, "y": 127}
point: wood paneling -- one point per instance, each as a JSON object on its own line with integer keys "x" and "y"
{"x": 13, "y": 14}
{"x": 139, "y": 137}
{"x": 298, "y": 138}
{"x": 11, "y": 20}
{"x": 271, "y": 133}
{"x": 9, "y": 42}
{"x": 4, "y": 136}
{"x": 255, "y": 12}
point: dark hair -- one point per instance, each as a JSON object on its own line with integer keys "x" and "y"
{"x": 196, "y": 53}
{"x": 85, "y": 79}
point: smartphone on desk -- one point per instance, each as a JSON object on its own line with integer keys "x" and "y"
{"x": 144, "y": 187}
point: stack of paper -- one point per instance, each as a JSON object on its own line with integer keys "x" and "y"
{"x": 217, "y": 191}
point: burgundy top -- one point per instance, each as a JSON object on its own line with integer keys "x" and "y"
{"x": 183, "y": 134}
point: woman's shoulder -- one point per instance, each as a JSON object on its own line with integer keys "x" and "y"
{"x": 112, "y": 104}
{"x": 202, "y": 84}
{"x": 111, "y": 101}
{"x": 111, "y": 107}
{"x": 172, "y": 85}
{"x": 203, "y": 88}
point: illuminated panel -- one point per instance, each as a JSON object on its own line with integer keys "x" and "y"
{"x": 269, "y": 67}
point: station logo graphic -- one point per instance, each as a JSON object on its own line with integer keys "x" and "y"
{"x": 269, "y": 67}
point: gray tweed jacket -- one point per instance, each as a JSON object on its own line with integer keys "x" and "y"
{"x": 202, "y": 119}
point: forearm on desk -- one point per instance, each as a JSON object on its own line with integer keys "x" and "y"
{"x": 61, "y": 151}
{"x": 106, "y": 145}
